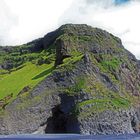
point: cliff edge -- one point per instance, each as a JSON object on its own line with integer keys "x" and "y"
{"x": 93, "y": 86}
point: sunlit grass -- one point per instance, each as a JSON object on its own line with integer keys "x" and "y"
{"x": 30, "y": 75}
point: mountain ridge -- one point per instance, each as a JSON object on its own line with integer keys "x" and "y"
{"x": 80, "y": 80}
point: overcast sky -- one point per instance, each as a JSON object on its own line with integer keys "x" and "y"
{"x": 24, "y": 20}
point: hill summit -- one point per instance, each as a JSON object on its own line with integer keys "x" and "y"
{"x": 76, "y": 79}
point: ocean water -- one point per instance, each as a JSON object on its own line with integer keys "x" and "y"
{"x": 70, "y": 137}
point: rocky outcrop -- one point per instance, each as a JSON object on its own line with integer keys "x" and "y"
{"x": 94, "y": 88}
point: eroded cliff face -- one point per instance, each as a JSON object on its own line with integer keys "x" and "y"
{"x": 93, "y": 89}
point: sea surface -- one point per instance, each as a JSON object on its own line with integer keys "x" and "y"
{"x": 70, "y": 137}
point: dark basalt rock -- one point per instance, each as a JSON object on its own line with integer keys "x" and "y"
{"x": 66, "y": 103}
{"x": 61, "y": 51}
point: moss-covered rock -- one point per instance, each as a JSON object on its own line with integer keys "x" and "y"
{"x": 92, "y": 86}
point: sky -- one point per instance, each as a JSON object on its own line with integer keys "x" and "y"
{"x": 121, "y": 1}
{"x": 22, "y": 21}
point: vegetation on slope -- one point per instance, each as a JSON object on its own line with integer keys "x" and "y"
{"x": 23, "y": 68}
{"x": 29, "y": 75}
{"x": 24, "y": 71}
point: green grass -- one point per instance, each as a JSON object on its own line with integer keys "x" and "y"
{"x": 103, "y": 99}
{"x": 111, "y": 64}
{"x": 108, "y": 65}
{"x": 80, "y": 84}
{"x": 100, "y": 105}
{"x": 29, "y": 75}
{"x": 69, "y": 63}
{"x": 118, "y": 102}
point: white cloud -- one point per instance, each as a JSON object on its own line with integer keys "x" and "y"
{"x": 7, "y": 21}
{"x": 34, "y": 18}
{"x": 123, "y": 21}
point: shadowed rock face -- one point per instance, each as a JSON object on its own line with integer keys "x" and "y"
{"x": 94, "y": 88}
{"x": 62, "y": 51}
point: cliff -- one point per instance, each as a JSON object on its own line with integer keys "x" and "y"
{"x": 90, "y": 84}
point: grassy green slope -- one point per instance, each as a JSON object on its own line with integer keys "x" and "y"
{"x": 30, "y": 75}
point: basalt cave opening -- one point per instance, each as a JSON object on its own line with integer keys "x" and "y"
{"x": 57, "y": 123}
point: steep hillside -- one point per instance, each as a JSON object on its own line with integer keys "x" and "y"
{"x": 22, "y": 68}
{"x": 77, "y": 79}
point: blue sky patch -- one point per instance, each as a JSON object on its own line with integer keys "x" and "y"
{"x": 121, "y": 1}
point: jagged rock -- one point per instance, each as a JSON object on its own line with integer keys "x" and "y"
{"x": 24, "y": 90}
{"x": 62, "y": 51}
{"x": 90, "y": 93}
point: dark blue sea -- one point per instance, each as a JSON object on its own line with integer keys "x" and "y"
{"x": 70, "y": 137}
